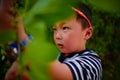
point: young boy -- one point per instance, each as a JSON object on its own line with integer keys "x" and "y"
{"x": 75, "y": 61}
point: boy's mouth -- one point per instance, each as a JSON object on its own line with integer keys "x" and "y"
{"x": 60, "y": 45}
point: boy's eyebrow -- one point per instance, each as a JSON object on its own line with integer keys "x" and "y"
{"x": 60, "y": 24}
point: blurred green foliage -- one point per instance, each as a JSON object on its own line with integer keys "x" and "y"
{"x": 10, "y": 36}
{"x": 40, "y": 15}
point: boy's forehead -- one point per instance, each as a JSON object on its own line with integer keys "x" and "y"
{"x": 62, "y": 22}
{"x": 58, "y": 24}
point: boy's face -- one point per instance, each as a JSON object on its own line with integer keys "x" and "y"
{"x": 69, "y": 36}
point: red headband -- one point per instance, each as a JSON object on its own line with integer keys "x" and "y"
{"x": 83, "y": 15}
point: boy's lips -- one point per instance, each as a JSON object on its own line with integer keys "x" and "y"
{"x": 60, "y": 45}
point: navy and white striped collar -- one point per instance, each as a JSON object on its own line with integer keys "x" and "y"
{"x": 61, "y": 57}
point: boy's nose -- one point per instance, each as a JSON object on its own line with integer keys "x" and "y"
{"x": 58, "y": 35}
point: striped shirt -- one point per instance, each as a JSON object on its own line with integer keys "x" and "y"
{"x": 84, "y": 65}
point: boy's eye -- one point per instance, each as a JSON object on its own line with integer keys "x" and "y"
{"x": 65, "y": 28}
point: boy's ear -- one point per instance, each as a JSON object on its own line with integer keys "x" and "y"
{"x": 88, "y": 33}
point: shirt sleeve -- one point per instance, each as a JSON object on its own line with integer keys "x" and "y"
{"x": 85, "y": 68}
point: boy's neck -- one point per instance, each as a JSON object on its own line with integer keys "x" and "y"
{"x": 67, "y": 54}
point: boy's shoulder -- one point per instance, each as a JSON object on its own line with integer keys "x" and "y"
{"x": 83, "y": 63}
{"x": 87, "y": 53}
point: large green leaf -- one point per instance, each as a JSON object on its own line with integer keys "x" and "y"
{"x": 44, "y": 10}
{"x": 7, "y": 36}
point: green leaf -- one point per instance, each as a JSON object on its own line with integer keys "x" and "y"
{"x": 44, "y": 10}
{"x": 7, "y": 36}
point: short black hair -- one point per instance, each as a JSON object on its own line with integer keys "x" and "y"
{"x": 87, "y": 12}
